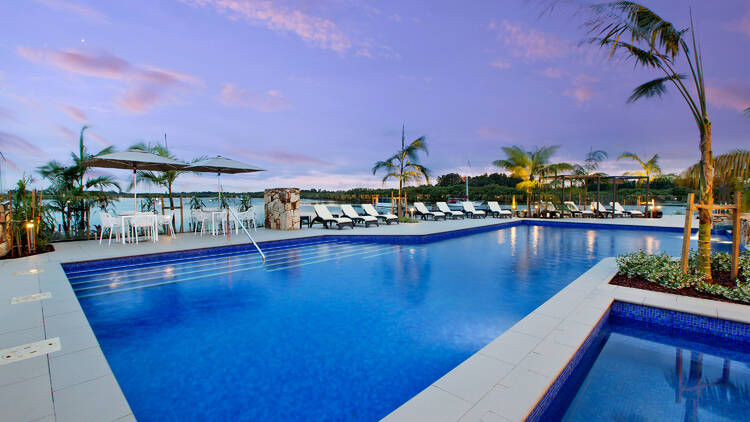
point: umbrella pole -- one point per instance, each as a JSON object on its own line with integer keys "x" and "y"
{"x": 219, "y": 189}
{"x": 135, "y": 193}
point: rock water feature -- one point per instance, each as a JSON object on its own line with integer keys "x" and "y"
{"x": 282, "y": 208}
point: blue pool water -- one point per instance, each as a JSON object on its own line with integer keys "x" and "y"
{"x": 326, "y": 329}
{"x": 659, "y": 373}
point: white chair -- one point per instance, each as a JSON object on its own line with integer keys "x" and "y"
{"x": 112, "y": 224}
{"x": 619, "y": 208}
{"x": 247, "y": 218}
{"x": 166, "y": 220}
{"x": 369, "y": 209}
{"x": 496, "y": 211}
{"x": 201, "y": 218}
{"x": 601, "y": 210}
{"x": 351, "y": 213}
{"x": 445, "y": 209}
{"x": 576, "y": 211}
{"x": 471, "y": 211}
{"x": 424, "y": 212}
{"x": 145, "y": 221}
{"x": 324, "y": 215}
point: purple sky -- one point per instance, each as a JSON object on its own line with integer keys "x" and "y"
{"x": 315, "y": 91}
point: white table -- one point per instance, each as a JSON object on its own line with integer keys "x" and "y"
{"x": 214, "y": 214}
{"x": 126, "y": 217}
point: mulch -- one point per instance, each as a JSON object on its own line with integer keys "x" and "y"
{"x": 45, "y": 249}
{"x": 722, "y": 278}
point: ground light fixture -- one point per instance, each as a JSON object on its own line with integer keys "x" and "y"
{"x": 30, "y": 238}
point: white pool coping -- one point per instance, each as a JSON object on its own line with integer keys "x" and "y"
{"x": 76, "y": 383}
{"x": 505, "y": 379}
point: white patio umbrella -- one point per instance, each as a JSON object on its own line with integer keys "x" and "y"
{"x": 220, "y": 165}
{"x": 136, "y": 160}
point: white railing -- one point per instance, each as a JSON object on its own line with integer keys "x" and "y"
{"x": 242, "y": 225}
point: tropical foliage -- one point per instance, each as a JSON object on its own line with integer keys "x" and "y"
{"x": 731, "y": 174}
{"x": 633, "y": 31}
{"x": 648, "y": 168}
{"x": 73, "y": 192}
{"x": 26, "y": 207}
{"x": 527, "y": 165}
{"x": 404, "y": 165}
{"x": 665, "y": 271}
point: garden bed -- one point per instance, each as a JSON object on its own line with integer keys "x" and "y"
{"x": 722, "y": 279}
{"x": 41, "y": 250}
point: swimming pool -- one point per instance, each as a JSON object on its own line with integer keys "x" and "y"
{"x": 648, "y": 364}
{"x": 331, "y": 328}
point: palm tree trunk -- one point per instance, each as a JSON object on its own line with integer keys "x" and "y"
{"x": 706, "y": 198}
{"x": 400, "y": 185}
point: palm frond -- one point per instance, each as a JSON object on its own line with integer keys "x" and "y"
{"x": 653, "y": 88}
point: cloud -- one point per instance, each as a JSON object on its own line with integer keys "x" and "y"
{"x": 492, "y": 133}
{"x": 741, "y": 25}
{"x": 529, "y": 44}
{"x": 321, "y": 32}
{"x": 74, "y": 112}
{"x": 82, "y": 11}
{"x": 581, "y": 93}
{"x": 14, "y": 143}
{"x": 98, "y": 138}
{"x": 271, "y": 100}
{"x": 281, "y": 157}
{"x": 25, "y": 100}
{"x": 7, "y": 115}
{"x": 500, "y": 64}
{"x": 146, "y": 85}
{"x": 552, "y": 73}
{"x": 733, "y": 95}
{"x": 67, "y": 133}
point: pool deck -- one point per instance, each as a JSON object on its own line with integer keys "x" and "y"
{"x": 76, "y": 383}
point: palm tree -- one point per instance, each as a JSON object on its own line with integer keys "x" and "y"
{"x": 647, "y": 167}
{"x": 732, "y": 172}
{"x": 74, "y": 189}
{"x": 655, "y": 44}
{"x": 404, "y": 165}
{"x": 527, "y": 166}
{"x": 159, "y": 178}
{"x": 590, "y": 166}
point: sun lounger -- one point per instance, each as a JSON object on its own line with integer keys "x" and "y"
{"x": 496, "y": 211}
{"x": 349, "y": 212}
{"x": 631, "y": 213}
{"x": 471, "y": 211}
{"x": 548, "y": 210}
{"x": 561, "y": 210}
{"x": 324, "y": 215}
{"x": 576, "y": 211}
{"x": 423, "y": 212}
{"x": 600, "y": 210}
{"x": 370, "y": 210}
{"x": 445, "y": 209}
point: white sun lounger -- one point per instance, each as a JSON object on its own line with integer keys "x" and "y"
{"x": 575, "y": 210}
{"x": 351, "y": 213}
{"x": 471, "y": 211}
{"x": 601, "y": 210}
{"x": 424, "y": 212}
{"x": 324, "y": 215}
{"x": 370, "y": 210}
{"x": 445, "y": 209}
{"x": 632, "y": 213}
{"x": 496, "y": 211}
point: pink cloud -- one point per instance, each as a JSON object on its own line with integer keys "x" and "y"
{"x": 14, "y": 143}
{"x": 67, "y": 133}
{"x": 733, "y": 95}
{"x": 581, "y": 93}
{"x": 317, "y": 31}
{"x": 98, "y": 138}
{"x": 77, "y": 9}
{"x": 741, "y": 25}
{"x": 552, "y": 73}
{"x": 499, "y": 64}
{"x": 74, "y": 112}
{"x": 26, "y": 100}
{"x": 492, "y": 133}
{"x": 529, "y": 44}
{"x": 271, "y": 100}
{"x": 147, "y": 85}
{"x": 281, "y": 157}
{"x": 6, "y": 114}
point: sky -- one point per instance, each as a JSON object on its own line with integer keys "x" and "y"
{"x": 316, "y": 91}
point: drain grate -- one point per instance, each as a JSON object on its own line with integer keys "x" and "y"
{"x": 25, "y": 351}
{"x": 36, "y": 297}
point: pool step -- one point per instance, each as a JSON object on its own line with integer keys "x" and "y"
{"x": 129, "y": 278}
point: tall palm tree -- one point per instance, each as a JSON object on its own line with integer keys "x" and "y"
{"x": 654, "y": 43}
{"x": 159, "y": 178}
{"x": 648, "y": 168}
{"x": 590, "y": 166}
{"x": 404, "y": 165}
{"x": 732, "y": 172}
{"x": 77, "y": 191}
{"x": 528, "y": 166}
